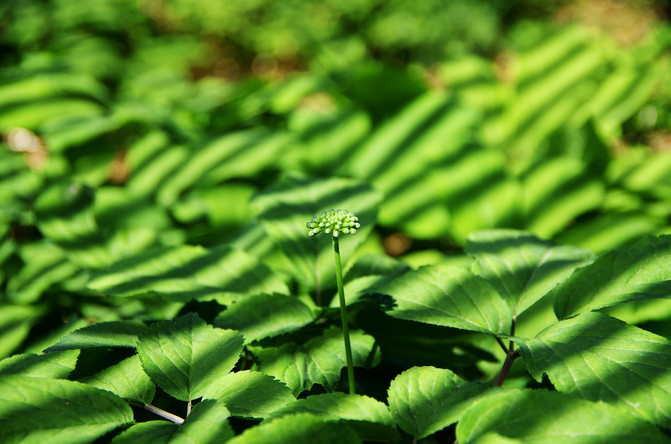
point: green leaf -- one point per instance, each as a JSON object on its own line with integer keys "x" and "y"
{"x": 285, "y": 208}
{"x": 424, "y": 400}
{"x": 262, "y": 316}
{"x": 187, "y": 271}
{"x": 369, "y": 418}
{"x": 66, "y": 218}
{"x": 239, "y": 154}
{"x": 375, "y": 265}
{"x": 15, "y": 324}
{"x": 610, "y": 231}
{"x": 127, "y": 379}
{"x": 56, "y": 411}
{"x": 34, "y": 115}
{"x": 250, "y": 394}
{"x": 604, "y": 359}
{"x": 521, "y": 267}
{"x": 102, "y": 334}
{"x": 41, "y": 86}
{"x": 297, "y": 428}
{"x": 639, "y": 272}
{"x": 318, "y": 361}
{"x": 186, "y": 356}
{"x": 56, "y": 365}
{"x": 408, "y": 158}
{"x": 207, "y": 423}
{"x": 557, "y": 191}
{"x": 46, "y": 267}
{"x": 538, "y": 416}
{"x": 156, "y": 432}
{"x": 369, "y": 272}
{"x": 448, "y": 296}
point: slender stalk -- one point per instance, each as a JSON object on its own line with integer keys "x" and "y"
{"x": 503, "y": 346}
{"x": 163, "y": 414}
{"x": 511, "y": 355}
{"x": 507, "y": 364}
{"x": 188, "y": 408}
{"x": 343, "y": 315}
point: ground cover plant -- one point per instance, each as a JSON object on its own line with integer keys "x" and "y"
{"x": 508, "y": 185}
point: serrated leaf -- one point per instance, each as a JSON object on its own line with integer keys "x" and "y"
{"x": 57, "y": 411}
{"x": 298, "y": 428}
{"x": 318, "y": 361}
{"x": 368, "y": 417}
{"x": 54, "y": 365}
{"x": 155, "y": 432}
{"x": 127, "y": 379}
{"x": 424, "y": 400}
{"x": 604, "y": 359}
{"x": 521, "y": 267}
{"x": 207, "y": 423}
{"x": 102, "y": 334}
{"x": 286, "y": 207}
{"x": 538, "y": 416}
{"x": 264, "y": 315}
{"x": 186, "y": 356}
{"x": 188, "y": 271}
{"x": 636, "y": 273}
{"x": 250, "y": 394}
{"x": 448, "y": 296}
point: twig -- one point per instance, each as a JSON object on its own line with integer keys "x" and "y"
{"x": 163, "y": 414}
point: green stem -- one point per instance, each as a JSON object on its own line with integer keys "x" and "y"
{"x": 343, "y": 316}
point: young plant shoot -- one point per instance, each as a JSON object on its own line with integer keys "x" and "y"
{"x": 335, "y": 222}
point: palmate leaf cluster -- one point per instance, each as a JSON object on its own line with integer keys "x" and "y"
{"x": 158, "y": 167}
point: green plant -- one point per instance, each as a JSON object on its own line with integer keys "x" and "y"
{"x": 154, "y": 267}
{"x": 585, "y": 367}
{"x": 335, "y": 222}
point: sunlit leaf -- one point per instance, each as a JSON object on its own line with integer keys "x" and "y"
{"x": 538, "y": 416}
{"x": 521, "y": 267}
{"x": 15, "y": 323}
{"x": 318, "y": 361}
{"x": 206, "y": 424}
{"x": 48, "y": 266}
{"x": 102, "y": 334}
{"x": 55, "y": 411}
{"x": 187, "y": 271}
{"x": 636, "y": 273}
{"x": 604, "y": 359}
{"x": 298, "y": 428}
{"x": 424, "y": 400}
{"x": 187, "y": 356}
{"x": 556, "y": 192}
{"x": 157, "y": 432}
{"x": 127, "y": 379}
{"x": 368, "y": 417}
{"x": 250, "y": 394}
{"x": 55, "y": 365}
{"x": 448, "y": 296}
{"x": 262, "y": 316}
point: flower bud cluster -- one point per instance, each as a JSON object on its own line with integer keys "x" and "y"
{"x": 333, "y": 221}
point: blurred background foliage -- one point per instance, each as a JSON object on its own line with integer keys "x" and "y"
{"x": 137, "y": 124}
